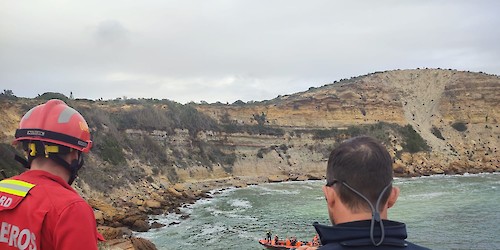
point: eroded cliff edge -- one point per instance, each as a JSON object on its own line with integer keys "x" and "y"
{"x": 432, "y": 121}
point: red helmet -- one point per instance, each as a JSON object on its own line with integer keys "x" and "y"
{"x": 55, "y": 122}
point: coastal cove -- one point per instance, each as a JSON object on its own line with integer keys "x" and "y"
{"x": 441, "y": 212}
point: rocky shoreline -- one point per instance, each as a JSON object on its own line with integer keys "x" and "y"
{"x": 117, "y": 220}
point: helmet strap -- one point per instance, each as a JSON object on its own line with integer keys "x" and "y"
{"x": 375, "y": 213}
{"x": 72, "y": 167}
{"x": 37, "y": 148}
{"x": 23, "y": 161}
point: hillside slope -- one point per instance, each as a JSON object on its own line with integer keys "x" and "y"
{"x": 432, "y": 121}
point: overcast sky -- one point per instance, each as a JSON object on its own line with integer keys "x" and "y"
{"x": 228, "y": 50}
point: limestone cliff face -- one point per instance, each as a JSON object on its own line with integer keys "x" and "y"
{"x": 434, "y": 102}
{"x": 348, "y": 102}
{"x": 456, "y": 113}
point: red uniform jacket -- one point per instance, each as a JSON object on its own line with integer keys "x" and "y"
{"x": 41, "y": 211}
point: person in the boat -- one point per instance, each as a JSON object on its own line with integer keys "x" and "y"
{"x": 315, "y": 241}
{"x": 268, "y": 236}
{"x": 276, "y": 240}
{"x": 358, "y": 194}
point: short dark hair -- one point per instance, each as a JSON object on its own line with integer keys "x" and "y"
{"x": 365, "y": 165}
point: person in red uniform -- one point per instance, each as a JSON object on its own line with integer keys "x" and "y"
{"x": 39, "y": 210}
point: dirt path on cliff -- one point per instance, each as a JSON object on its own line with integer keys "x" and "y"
{"x": 422, "y": 93}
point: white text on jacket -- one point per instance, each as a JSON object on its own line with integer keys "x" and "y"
{"x": 14, "y": 237}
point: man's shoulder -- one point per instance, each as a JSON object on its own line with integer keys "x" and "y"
{"x": 51, "y": 191}
{"x": 57, "y": 194}
{"x": 415, "y": 247}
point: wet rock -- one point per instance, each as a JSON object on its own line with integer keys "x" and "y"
{"x": 173, "y": 223}
{"x": 109, "y": 212}
{"x": 277, "y": 178}
{"x": 315, "y": 176}
{"x": 155, "y": 186}
{"x": 174, "y": 192}
{"x": 140, "y": 226}
{"x": 152, "y": 204}
{"x": 99, "y": 217}
{"x": 137, "y": 201}
{"x": 180, "y": 187}
{"x": 119, "y": 244}
{"x": 302, "y": 177}
{"x": 133, "y": 217}
{"x": 142, "y": 244}
{"x": 110, "y": 233}
{"x": 155, "y": 225}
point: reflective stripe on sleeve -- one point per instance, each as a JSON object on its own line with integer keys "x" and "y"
{"x": 15, "y": 187}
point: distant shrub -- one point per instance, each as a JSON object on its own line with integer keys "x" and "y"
{"x": 413, "y": 142}
{"x": 7, "y": 94}
{"x": 283, "y": 147}
{"x": 238, "y": 103}
{"x": 110, "y": 150}
{"x": 209, "y": 155}
{"x": 10, "y": 166}
{"x": 226, "y": 118}
{"x": 262, "y": 152}
{"x": 354, "y": 131}
{"x": 188, "y": 117}
{"x": 132, "y": 101}
{"x": 52, "y": 95}
{"x": 260, "y": 119}
{"x": 325, "y": 133}
{"x": 378, "y": 130}
{"x": 145, "y": 118}
{"x": 459, "y": 126}
{"x": 436, "y": 132}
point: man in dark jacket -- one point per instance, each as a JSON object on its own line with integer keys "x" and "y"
{"x": 358, "y": 193}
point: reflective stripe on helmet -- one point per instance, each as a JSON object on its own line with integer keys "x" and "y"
{"x": 66, "y": 115}
{"x": 58, "y": 137}
{"x": 15, "y": 187}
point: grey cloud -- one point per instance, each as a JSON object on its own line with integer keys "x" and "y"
{"x": 111, "y": 31}
{"x": 230, "y": 50}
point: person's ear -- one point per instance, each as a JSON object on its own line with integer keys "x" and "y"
{"x": 71, "y": 156}
{"x": 393, "y": 197}
{"x": 330, "y": 195}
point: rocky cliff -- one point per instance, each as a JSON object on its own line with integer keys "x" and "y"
{"x": 432, "y": 121}
{"x": 455, "y": 112}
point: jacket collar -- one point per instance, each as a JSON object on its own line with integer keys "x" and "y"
{"x": 357, "y": 233}
{"x": 46, "y": 176}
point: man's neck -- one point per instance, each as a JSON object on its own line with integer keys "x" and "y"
{"x": 50, "y": 166}
{"x": 345, "y": 215}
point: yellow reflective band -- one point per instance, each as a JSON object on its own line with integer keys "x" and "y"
{"x": 32, "y": 149}
{"x": 48, "y": 149}
{"x": 15, "y": 187}
{"x": 51, "y": 149}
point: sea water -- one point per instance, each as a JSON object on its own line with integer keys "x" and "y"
{"x": 441, "y": 212}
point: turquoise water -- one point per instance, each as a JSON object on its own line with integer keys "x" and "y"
{"x": 441, "y": 212}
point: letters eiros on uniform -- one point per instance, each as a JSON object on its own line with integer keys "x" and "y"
{"x": 15, "y": 237}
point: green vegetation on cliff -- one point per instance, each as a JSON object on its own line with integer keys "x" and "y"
{"x": 10, "y": 166}
{"x": 412, "y": 141}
